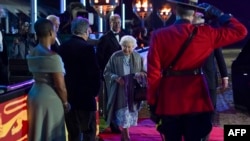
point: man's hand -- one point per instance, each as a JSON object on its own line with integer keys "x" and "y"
{"x": 66, "y": 107}
{"x": 224, "y": 84}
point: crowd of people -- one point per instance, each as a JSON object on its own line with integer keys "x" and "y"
{"x": 22, "y": 43}
{"x": 181, "y": 91}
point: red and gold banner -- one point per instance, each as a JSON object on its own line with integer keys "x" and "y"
{"x": 13, "y": 119}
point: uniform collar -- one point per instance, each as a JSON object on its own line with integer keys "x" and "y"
{"x": 181, "y": 21}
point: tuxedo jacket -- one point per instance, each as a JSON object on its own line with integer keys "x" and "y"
{"x": 213, "y": 63}
{"x": 82, "y": 76}
{"x": 108, "y": 44}
{"x": 179, "y": 95}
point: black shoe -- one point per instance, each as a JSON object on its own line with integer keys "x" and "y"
{"x": 115, "y": 128}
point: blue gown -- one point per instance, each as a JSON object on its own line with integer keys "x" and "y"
{"x": 45, "y": 109}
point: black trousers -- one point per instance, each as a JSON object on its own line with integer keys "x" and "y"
{"x": 81, "y": 125}
{"x": 102, "y": 97}
{"x": 213, "y": 96}
{"x": 190, "y": 127}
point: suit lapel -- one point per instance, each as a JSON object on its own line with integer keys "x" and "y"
{"x": 114, "y": 40}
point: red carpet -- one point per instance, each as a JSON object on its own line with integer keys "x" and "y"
{"x": 145, "y": 131}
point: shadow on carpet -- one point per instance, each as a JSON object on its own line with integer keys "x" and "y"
{"x": 145, "y": 131}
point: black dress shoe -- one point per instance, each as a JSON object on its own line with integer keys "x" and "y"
{"x": 115, "y": 128}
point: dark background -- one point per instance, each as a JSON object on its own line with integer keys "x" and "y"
{"x": 239, "y": 9}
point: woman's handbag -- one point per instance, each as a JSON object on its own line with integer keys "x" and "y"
{"x": 140, "y": 91}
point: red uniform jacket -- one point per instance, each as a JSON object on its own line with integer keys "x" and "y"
{"x": 177, "y": 95}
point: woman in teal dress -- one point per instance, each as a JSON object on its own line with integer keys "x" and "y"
{"x": 47, "y": 99}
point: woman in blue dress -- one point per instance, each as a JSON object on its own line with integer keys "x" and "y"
{"x": 47, "y": 99}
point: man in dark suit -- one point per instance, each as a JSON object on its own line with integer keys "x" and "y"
{"x": 210, "y": 71}
{"x": 82, "y": 80}
{"x": 56, "y": 22}
{"x": 108, "y": 44}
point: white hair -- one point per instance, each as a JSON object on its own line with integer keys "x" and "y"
{"x": 128, "y": 39}
{"x": 53, "y": 18}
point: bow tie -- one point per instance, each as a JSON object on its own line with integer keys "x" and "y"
{"x": 116, "y": 34}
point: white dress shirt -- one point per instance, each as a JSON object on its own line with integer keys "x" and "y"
{"x": 58, "y": 42}
{"x": 1, "y": 42}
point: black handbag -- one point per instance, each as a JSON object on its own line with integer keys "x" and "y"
{"x": 140, "y": 91}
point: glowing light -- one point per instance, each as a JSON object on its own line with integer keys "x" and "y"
{"x": 164, "y": 13}
{"x": 142, "y": 9}
{"x": 104, "y": 7}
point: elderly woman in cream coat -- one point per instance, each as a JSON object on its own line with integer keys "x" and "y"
{"x": 122, "y": 68}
